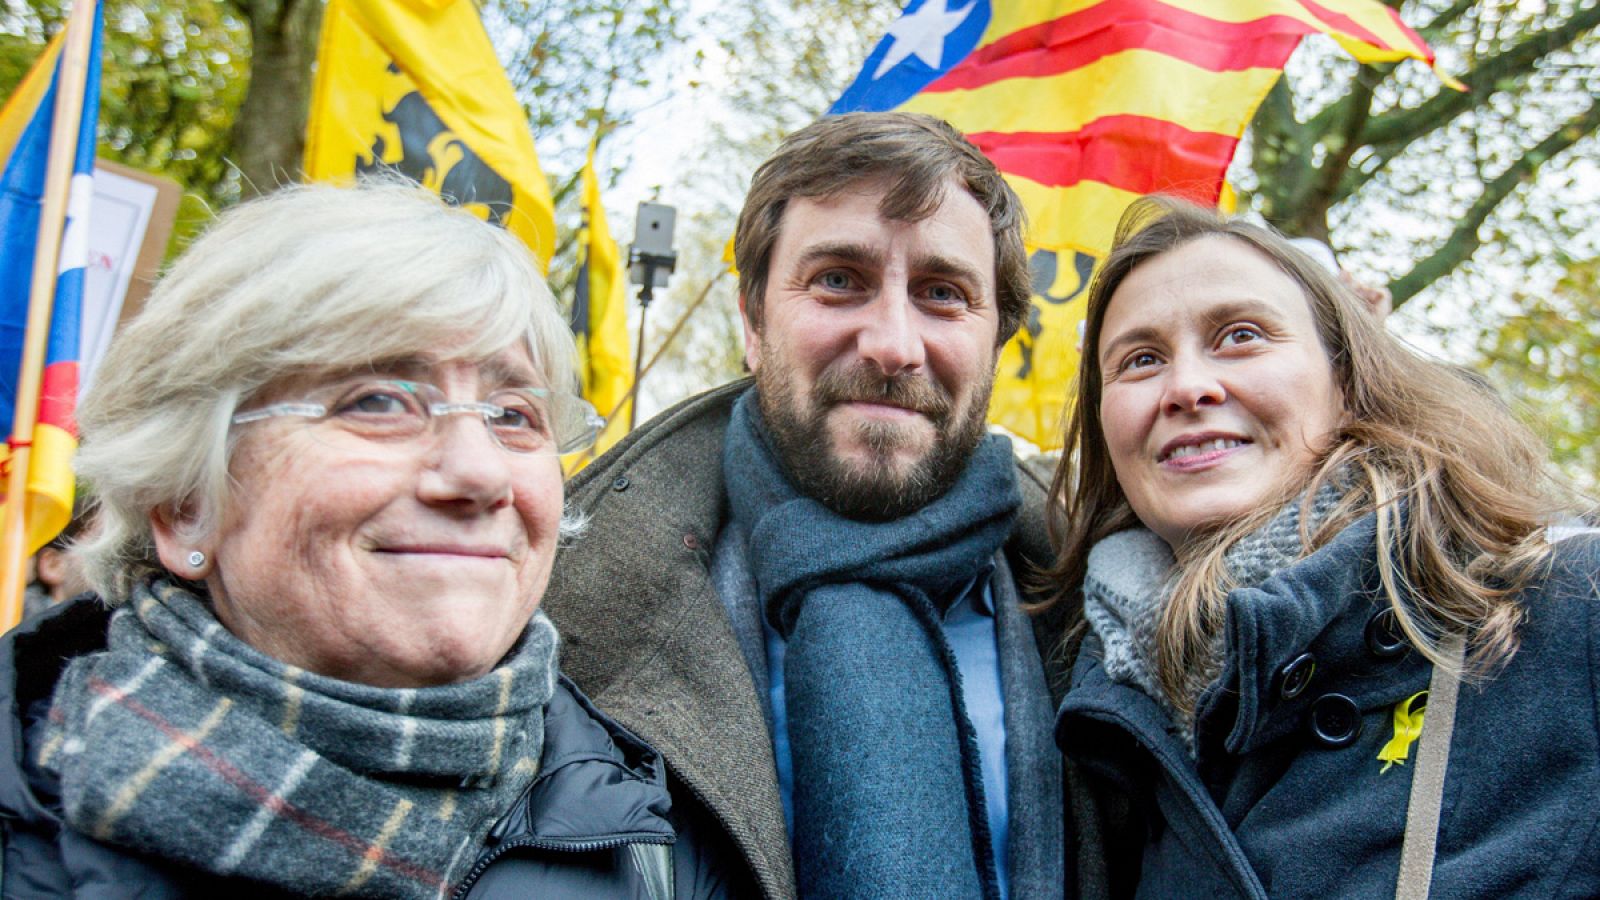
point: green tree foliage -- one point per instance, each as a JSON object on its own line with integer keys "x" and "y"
{"x": 572, "y": 63}
{"x": 214, "y": 94}
{"x": 172, "y": 77}
{"x": 582, "y": 68}
{"x": 1546, "y": 358}
{"x": 17, "y": 53}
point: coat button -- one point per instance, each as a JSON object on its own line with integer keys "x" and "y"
{"x": 1295, "y": 676}
{"x": 1384, "y": 637}
{"x": 620, "y": 483}
{"x": 1335, "y": 720}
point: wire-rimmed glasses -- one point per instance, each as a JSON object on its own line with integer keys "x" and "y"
{"x": 393, "y": 411}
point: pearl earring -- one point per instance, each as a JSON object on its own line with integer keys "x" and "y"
{"x": 196, "y": 559}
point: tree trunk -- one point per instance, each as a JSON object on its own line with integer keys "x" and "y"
{"x": 269, "y": 134}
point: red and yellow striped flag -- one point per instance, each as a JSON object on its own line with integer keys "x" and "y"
{"x": 1086, "y": 105}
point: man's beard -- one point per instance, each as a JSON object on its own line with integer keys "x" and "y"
{"x": 875, "y": 490}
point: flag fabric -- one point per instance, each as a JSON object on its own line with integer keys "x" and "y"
{"x": 25, "y": 126}
{"x": 1086, "y": 105}
{"x": 600, "y": 316}
{"x": 413, "y": 86}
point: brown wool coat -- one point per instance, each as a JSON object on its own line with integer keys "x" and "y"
{"x": 646, "y": 637}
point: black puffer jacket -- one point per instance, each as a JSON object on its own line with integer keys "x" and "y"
{"x": 597, "y": 822}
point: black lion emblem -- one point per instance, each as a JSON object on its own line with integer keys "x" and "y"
{"x": 433, "y": 156}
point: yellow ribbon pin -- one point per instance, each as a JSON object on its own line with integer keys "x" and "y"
{"x": 1407, "y": 728}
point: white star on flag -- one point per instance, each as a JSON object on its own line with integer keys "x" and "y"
{"x": 922, "y": 34}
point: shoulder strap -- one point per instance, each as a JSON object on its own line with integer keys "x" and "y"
{"x": 1427, "y": 783}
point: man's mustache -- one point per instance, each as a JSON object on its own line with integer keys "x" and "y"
{"x": 865, "y": 384}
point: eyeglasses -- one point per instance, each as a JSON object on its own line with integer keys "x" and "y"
{"x": 388, "y": 411}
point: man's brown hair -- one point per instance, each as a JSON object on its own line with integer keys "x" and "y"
{"x": 914, "y": 155}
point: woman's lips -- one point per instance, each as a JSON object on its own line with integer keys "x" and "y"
{"x": 1196, "y": 452}
{"x": 469, "y": 551}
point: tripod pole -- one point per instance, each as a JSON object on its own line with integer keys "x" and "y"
{"x": 645, "y": 296}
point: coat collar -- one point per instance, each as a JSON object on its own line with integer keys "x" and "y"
{"x": 596, "y": 783}
{"x": 32, "y": 657}
{"x": 1322, "y": 606}
{"x": 647, "y": 639}
{"x": 1103, "y": 725}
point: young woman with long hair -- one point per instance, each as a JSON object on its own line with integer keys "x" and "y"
{"x": 1290, "y": 533}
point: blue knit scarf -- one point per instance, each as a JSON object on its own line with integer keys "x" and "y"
{"x": 888, "y": 795}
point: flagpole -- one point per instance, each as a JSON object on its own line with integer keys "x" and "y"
{"x": 41, "y": 300}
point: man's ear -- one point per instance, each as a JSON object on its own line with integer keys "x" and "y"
{"x": 752, "y": 337}
{"x": 173, "y": 531}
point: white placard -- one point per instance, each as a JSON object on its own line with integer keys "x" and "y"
{"x": 117, "y": 223}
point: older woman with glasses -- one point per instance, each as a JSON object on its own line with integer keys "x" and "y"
{"x": 326, "y": 462}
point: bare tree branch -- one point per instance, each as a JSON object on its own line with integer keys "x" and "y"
{"x": 1340, "y": 127}
{"x": 1464, "y": 240}
{"x": 1392, "y": 132}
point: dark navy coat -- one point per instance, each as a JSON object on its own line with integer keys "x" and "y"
{"x": 1288, "y": 798}
{"x": 598, "y": 821}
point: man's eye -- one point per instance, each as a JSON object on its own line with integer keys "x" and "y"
{"x": 835, "y": 280}
{"x": 945, "y": 293}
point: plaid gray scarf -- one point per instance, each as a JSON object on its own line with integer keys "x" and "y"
{"x": 182, "y": 742}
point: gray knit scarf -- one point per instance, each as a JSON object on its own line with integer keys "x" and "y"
{"x": 1132, "y": 573}
{"x": 182, "y": 742}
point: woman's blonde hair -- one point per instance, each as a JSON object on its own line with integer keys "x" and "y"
{"x": 1462, "y": 491}
{"x": 306, "y": 280}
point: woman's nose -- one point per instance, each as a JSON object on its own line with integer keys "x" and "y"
{"x": 465, "y": 465}
{"x": 1191, "y": 383}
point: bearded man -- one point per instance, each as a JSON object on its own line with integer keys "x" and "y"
{"x": 801, "y": 590}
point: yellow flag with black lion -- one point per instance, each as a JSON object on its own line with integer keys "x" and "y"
{"x": 413, "y": 86}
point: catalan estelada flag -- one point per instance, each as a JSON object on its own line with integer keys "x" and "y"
{"x": 25, "y": 126}
{"x": 600, "y": 316}
{"x": 413, "y": 86}
{"x": 1086, "y": 105}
